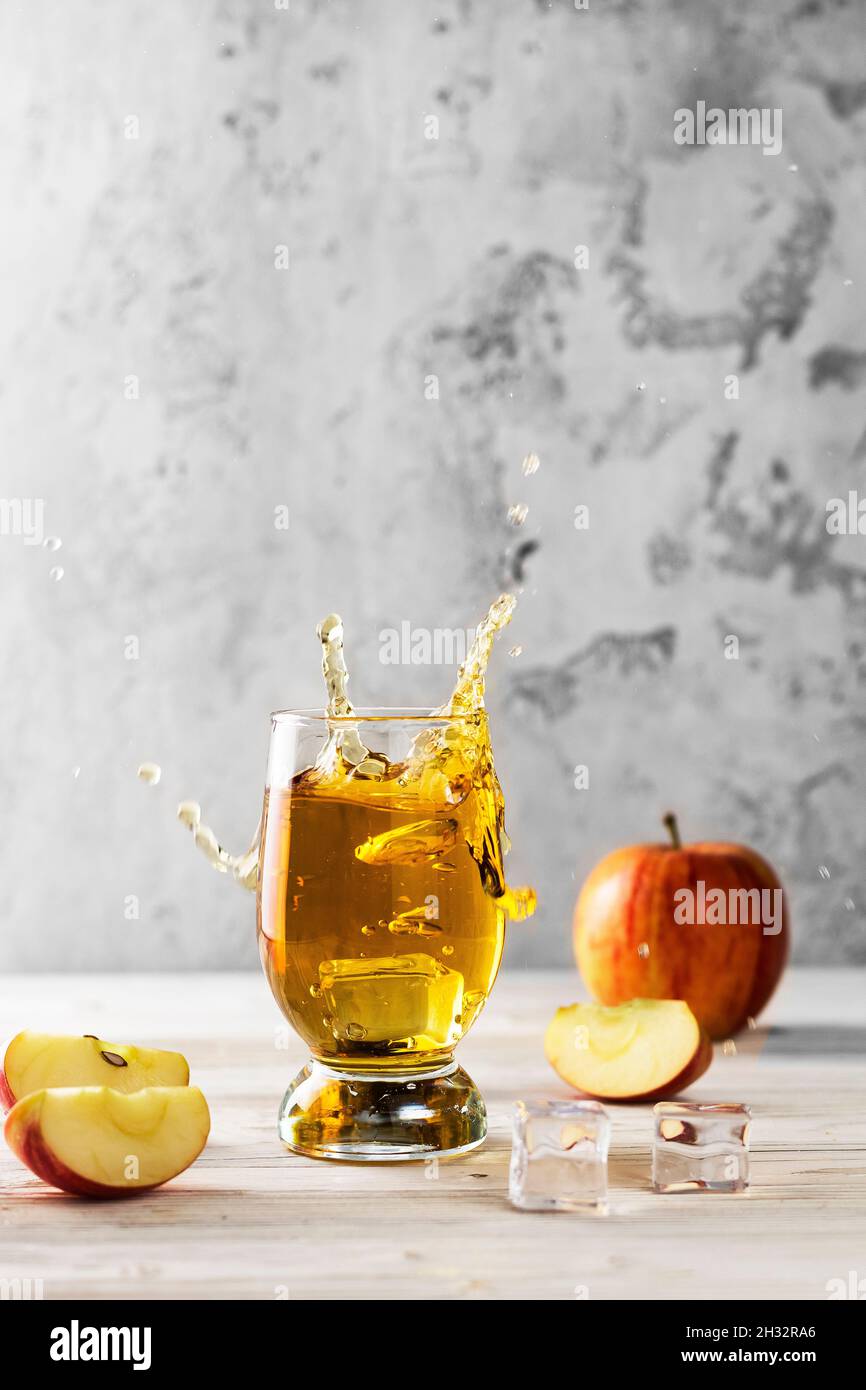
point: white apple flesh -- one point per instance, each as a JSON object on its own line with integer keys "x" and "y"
{"x": 36, "y": 1061}
{"x": 646, "y": 1049}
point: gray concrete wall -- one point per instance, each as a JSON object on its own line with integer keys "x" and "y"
{"x": 165, "y": 385}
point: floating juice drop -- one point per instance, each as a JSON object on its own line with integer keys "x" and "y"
{"x": 150, "y": 773}
{"x": 189, "y": 814}
{"x": 518, "y": 903}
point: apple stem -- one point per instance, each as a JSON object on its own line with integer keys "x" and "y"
{"x": 670, "y": 821}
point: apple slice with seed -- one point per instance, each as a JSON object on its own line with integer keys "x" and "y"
{"x": 646, "y": 1049}
{"x": 98, "y": 1142}
{"x": 36, "y": 1061}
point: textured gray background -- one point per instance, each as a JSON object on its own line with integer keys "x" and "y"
{"x": 305, "y": 387}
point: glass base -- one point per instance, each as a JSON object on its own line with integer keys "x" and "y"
{"x": 382, "y": 1118}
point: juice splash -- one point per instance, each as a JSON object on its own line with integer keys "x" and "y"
{"x": 434, "y": 759}
{"x": 244, "y": 868}
{"x": 343, "y": 746}
{"x": 383, "y": 900}
{"x": 444, "y": 764}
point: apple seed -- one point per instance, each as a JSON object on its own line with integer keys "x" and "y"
{"x": 114, "y": 1059}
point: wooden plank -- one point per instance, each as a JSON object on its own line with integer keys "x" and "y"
{"x": 250, "y": 1221}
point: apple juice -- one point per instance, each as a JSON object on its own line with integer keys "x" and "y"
{"x": 382, "y": 898}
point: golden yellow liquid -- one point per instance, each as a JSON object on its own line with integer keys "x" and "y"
{"x": 381, "y": 896}
{"x": 382, "y": 901}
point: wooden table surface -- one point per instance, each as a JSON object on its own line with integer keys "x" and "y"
{"x": 250, "y": 1221}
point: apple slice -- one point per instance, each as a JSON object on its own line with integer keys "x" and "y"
{"x": 646, "y": 1049}
{"x": 35, "y": 1061}
{"x": 98, "y": 1142}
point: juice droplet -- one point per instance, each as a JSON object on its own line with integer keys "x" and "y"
{"x": 518, "y": 513}
{"x": 518, "y": 903}
{"x": 356, "y": 1031}
{"x": 52, "y": 542}
{"x": 729, "y": 1048}
{"x": 189, "y": 814}
{"x": 56, "y": 573}
{"x": 752, "y": 1024}
{"x": 150, "y": 773}
{"x": 515, "y": 651}
{"x": 448, "y": 950}
{"x": 530, "y": 465}
{"x": 643, "y": 950}
{"x": 823, "y": 871}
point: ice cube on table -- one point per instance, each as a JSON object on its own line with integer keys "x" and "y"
{"x": 701, "y": 1148}
{"x": 559, "y": 1155}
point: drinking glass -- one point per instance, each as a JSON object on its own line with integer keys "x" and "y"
{"x": 380, "y": 927}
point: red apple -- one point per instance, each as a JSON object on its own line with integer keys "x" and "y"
{"x": 633, "y": 936}
{"x": 35, "y": 1061}
{"x": 98, "y": 1142}
{"x": 647, "y": 1049}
